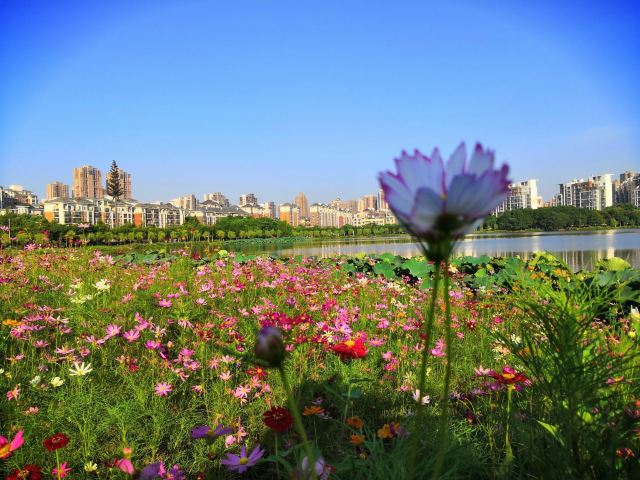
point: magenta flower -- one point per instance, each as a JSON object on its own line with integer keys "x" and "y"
{"x": 437, "y": 202}
{"x": 6, "y": 446}
{"x": 163, "y": 389}
{"x": 241, "y": 463}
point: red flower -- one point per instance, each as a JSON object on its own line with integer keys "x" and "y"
{"x": 257, "y": 372}
{"x": 278, "y": 419}
{"x": 508, "y": 376}
{"x": 28, "y": 472}
{"x": 54, "y": 442}
{"x": 350, "y": 349}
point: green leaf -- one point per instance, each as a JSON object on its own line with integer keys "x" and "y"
{"x": 553, "y": 430}
{"x": 384, "y": 269}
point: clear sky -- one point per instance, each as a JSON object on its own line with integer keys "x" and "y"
{"x": 276, "y": 97}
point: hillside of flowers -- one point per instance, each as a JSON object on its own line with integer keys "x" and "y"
{"x": 111, "y": 366}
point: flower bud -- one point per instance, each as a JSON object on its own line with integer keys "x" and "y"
{"x": 270, "y": 346}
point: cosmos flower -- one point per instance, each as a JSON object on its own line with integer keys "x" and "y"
{"x": 277, "y": 419}
{"x": 350, "y": 349}
{"x": 207, "y": 432}
{"x": 28, "y": 472}
{"x": 269, "y": 346}
{"x": 163, "y": 389}
{"x": 241, "y": 463}
{"x": 61, "y": 470}
{"x": 56, "y": 382}
{"x": 80, "y": 370}
{"x": 6, "y": 446}
{"x": 56, "y": 441}
{"x": 438, "y": 202}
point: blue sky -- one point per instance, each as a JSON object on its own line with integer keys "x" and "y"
{"x": 279, "y": 97}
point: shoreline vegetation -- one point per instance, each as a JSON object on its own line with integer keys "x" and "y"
{"x": 25, "y": 229}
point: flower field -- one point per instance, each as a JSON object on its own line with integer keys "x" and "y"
{"x": 117, "y": 368}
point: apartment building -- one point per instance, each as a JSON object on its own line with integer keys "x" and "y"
{"x": 87, "y": 182}
{"x": 57, "y": 189}
{"x": 521, "y": 195}
{"x": 290, "y": 213}
{"x": 594, "y": 193}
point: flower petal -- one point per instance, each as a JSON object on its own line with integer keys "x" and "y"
{"x": 428, "y": 206}
{"x": 481, "y": 160}
{"x": 457, "y": 162}
{"x": 472, "y": 197}
{"x": 418, "y": 170}
{"x": 397, "y": 195}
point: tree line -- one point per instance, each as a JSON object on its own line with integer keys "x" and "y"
{"x": 562, "y": 218}
{"x": 36, "y": 229}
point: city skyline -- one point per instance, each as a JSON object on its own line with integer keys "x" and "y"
{"x": 318, "y": 99}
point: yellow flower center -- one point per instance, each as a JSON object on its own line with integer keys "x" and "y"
{"x": 349, "y": 343}
{"x": 244, "y": 460}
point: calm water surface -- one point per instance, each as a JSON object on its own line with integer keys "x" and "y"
{"x": 580, "y": 250}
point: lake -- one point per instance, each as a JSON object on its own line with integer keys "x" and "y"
{"x": 580, "y": 250}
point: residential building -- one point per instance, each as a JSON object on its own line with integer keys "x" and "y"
{"x": 57, "y": 189}
{"x": 19, "y": 195}
{"x": 290, "y": 213}
{"x": 248, "y": 199}
{"x": 382, "y": 202}
{"x": 521, "y": 195}
{"x": 157, "y": 215}
{"x": 68, "y": 211}
{"x": 368, "y": 202}
{"x": 627, "y": 189}
{"x": 594, "y": 193}
{"x": 209, "y": 212}
{"x": 254, "y": 210}
{"x": 351, "y": 205}
{"x": 327, "y": 216}
{"x": 218, "y": 198}
{"x": 87, "y": 182}
{"x": 374, "y": 217}
{"x": 271, "y": 209}
{"x": 302, "y": 202}
{"x": 125, "y": 183}
{"x": 188, "y": 202}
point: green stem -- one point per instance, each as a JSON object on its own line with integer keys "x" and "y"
{"x": 443, "y": 433}
{"x": 297, "y": 421}
{"x": 423, "y": 369}
{"x": 346, "y": 406}
{"x": 508, "y": 458}
{"x": 277, "y": 460}
{"x": 58, "y": 465}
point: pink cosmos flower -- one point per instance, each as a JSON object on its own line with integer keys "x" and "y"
{"x": 437, "y": 202}
{"x": 163, "y": 389}
{"x": 6, "y": 446}
{"x": 165, "y": 303}
{"x": 61, "y": 471}
{"x": 125, "y": 465}
{"x": 14, "y": 393}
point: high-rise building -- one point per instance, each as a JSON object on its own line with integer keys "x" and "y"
{"x": 627, "y": 189}
{"x": 328, "y": 216}
{"x": 248, "y": 199}
{"x": 521, "y": 195}
{"x": 188, "y": 202}
{"x": 218, "y": 198}
{"x": 87, "y": 182}
{"x": 594, "y": 193}
{"x": 125, "y": 183}
{"x": 290, "y": 213}
{"x": 382, "y": 201}
{"x": 302, "y": 202}
{"x": 270, "y": 209}
{"x": 57, "y": 189}
{"x": 368, "y": 202}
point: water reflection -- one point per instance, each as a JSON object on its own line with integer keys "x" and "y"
{"x": 580, "y": 250}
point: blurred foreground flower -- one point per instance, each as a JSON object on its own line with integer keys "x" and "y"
{"x": 438, "y": 202}
{"x": 6, "y": 446}
{"x": 269, "y": 346}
